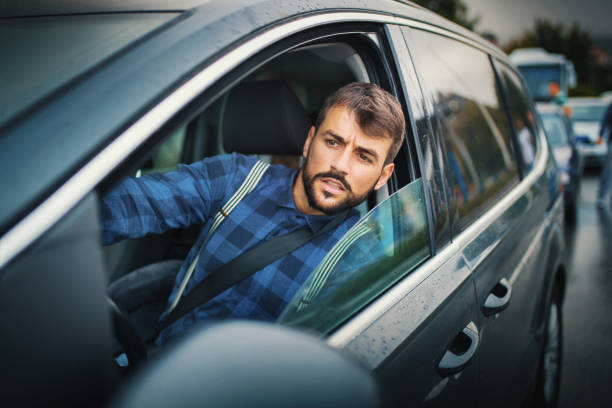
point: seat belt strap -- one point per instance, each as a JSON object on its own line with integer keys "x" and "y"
{"x": 248, "y": 185}
{"x": 245, "y": 265}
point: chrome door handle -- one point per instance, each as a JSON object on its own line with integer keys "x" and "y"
{"x": 498, "y": 299}
{"x": 460, "y": 352}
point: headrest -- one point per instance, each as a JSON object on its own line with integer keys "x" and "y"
{"x": 264, "y": 118}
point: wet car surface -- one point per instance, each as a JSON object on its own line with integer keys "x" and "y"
{"x": 461, "y": 298}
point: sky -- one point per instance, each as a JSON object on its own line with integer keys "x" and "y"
{"x": 510, "y": 18}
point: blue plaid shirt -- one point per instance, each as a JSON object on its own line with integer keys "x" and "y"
{"x": 193, "y": 194}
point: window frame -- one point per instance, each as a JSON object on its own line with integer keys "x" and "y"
{"x": 537, "y": 126}
{"x": 457, "y": 226}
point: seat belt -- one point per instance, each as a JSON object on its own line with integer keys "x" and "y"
{"x": 245, "y": 265}
{"x": 248, "y": 185}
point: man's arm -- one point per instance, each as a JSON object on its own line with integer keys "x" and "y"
{"x": 158, "y": 202}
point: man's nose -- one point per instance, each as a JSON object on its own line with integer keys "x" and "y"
{"x": 341, "y": 161}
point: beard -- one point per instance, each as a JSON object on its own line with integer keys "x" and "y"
{"x": 349, "y": 202}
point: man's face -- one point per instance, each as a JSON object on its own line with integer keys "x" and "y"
{"x": 343, "y": 164}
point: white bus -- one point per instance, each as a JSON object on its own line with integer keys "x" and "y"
{"x": 540, "y": 67}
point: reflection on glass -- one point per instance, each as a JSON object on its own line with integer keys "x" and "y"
{"x": 380, "y": 249}
{"x": 522, "y": 117}
{"x": 471, "y": 118}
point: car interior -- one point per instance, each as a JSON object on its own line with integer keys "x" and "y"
{"x": 268, "y": 113}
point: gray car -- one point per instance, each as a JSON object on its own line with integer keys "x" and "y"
{"x": 459, "y": 301}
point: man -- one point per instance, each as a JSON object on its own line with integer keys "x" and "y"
{"x": 605, "y": 179}
{"x": 348, "y": 154}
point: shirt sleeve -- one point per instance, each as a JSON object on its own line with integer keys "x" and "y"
{"x": 158, "y": 202}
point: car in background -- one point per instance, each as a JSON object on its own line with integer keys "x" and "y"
{"x": 569, "y": 158}
{"x": 586, "y": 114}
{"x": 458, "y": 299}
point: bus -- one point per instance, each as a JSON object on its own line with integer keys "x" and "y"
{"x": 541, "y": 68}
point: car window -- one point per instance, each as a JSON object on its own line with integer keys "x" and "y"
{"x": 556, "y": 130}
{"x": 522, "y": 116}
{"x": 471, "y": 119}
{"x": 380, "y": 249}
{"x": 588, "y": 113}
{"x": 204, "y": 136}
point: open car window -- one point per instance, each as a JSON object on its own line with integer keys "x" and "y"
{"x": 384, "y": 246}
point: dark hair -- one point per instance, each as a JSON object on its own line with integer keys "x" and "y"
{"x": 379, "y": 114}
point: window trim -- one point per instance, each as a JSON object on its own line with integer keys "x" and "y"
{"x": 55, "y": 206}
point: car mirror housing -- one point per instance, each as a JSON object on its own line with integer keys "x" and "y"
{"x": 242, "y": 363}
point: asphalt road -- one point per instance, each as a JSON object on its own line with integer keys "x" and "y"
{"x": 587, "y": 312}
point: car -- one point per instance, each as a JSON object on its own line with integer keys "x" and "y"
{"x": 567, "y": 154}
{"x": 459, "y": 302}
{"x": 586, "y": 115}
{"x": 540, "y": 68}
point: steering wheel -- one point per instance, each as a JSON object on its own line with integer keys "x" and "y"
{"x": 127, "y": 336}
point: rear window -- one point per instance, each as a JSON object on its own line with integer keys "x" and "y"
{"x": 40, "y": 54}
{"x": 588, "y": 113}
{"x": 555, "y": 130}
{"x": 470, "y": 116}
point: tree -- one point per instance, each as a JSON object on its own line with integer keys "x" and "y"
{"x": 454, "y": 10}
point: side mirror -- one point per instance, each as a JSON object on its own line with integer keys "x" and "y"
{"x": 245, "y": 363}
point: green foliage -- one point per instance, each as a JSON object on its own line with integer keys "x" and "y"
{"x": 454, "y": 10}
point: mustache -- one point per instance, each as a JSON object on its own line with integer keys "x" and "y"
{"x": 336, "y": 176}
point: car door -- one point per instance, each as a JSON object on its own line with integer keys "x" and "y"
{"x": 496, "y": 221}
{"x": 387, "y": 294}
{"x": 512, "y": 277}
{"x": 56, "y": 322}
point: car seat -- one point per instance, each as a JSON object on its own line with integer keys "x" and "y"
{"x": 262, "y": 118}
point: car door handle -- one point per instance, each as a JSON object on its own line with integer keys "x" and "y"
{"x": 460, "y": 352}
{"x": 498, "y": 299}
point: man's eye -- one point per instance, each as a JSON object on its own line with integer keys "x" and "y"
{"x": 332, "y": 142}
{"x": 363, "y": 157}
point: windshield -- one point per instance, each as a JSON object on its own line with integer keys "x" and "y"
{"x": 538, "y": 77}
{"x": 555, "y": 130}
{"x": 588, "y": 113}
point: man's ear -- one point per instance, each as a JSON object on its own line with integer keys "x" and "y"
{"x": 311, "y": 134}
{"x": 387, "y": 171}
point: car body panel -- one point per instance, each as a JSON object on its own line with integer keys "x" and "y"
{"x": 125, "y": 105}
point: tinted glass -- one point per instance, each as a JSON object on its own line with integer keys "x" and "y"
{"x": 60, "y": 48}
{"x": 522, "y": 116}
{"x": 588, "y": 113}
{"x": 469, "y": 115}
{"x": 538, "y": 78}
{"x": 380, "y": 249}
{"x": 555, "y": 130}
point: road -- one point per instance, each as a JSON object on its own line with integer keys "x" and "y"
{"x": 587, "y": 359}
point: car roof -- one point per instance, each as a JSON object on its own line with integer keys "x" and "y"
{"x": 535, "y": 56}
{"x": 548, "y": 108}
{"x": 37, "y": 8}
{"x": 586, "y": 101}
{"x": 41, "y": 147}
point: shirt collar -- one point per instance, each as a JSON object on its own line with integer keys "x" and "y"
{"x": 285, "y": 199}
